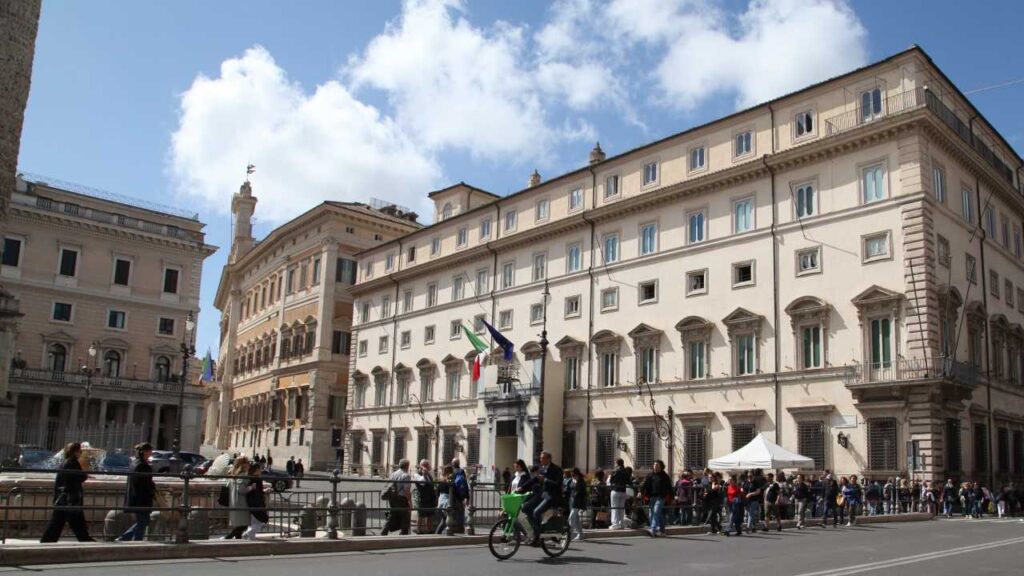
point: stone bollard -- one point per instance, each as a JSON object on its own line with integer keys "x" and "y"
{"x": 347, "y": 506}
{"x": 307, "y": 522}
{"x": 321, "y": 504}
{"x": 115, "y": 523}
{"x": 158, "y": 526}
{"x": 359, "y": 520}
{"x": 199, "y": 524}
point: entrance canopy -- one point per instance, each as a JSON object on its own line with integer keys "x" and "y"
{"x": 760, "y": 453}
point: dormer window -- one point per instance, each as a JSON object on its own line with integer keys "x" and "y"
{"x": 446, "y": 212}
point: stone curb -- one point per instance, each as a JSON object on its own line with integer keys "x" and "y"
{"x": 72, "y": 553}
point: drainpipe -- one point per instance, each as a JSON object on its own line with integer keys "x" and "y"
{"x": 394, "y": 355}
{"x": 775, "y": 289}
{"x": 984, "y": 299}
{"x": 590, "y": 320}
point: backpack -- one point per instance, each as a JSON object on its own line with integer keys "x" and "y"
{"x": 461, "y": 486}
{"x": 772, "y": 492}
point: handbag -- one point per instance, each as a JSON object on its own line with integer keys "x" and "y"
{"x": 840, "y": 500}
{"x": 388, "y": 494}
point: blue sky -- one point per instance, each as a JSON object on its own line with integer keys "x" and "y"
{"x": 168, "y": 101}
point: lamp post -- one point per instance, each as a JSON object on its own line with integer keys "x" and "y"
{"x": 188, "y": 350}
{"x": 662, "y": 425}
{"x": 89, "y": 371}
{"x": 435, "y": 426}
{"x": 543, "y": 364}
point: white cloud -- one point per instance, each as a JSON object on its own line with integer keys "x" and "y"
{"x": 307, "y": 147}
{"x": 773, "y": 47}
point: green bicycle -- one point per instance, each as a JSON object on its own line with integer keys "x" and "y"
{"x": 513, "y": 528}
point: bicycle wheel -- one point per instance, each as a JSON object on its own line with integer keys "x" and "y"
{"x": 556, "y": 543}
{"x": 503, "y": 546}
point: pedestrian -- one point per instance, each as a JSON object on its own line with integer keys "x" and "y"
{"x": 460, "y": 496}
{"x": 852, "y": 497}
{"x": 801, "y": 495}
{"x": 424, "y": 498}
{"x": 684, "y": 498}
{"x": 506, "y": 478}
{"x": 830, "y": 501}
{"x": 657, "y": 486}
{"x": 399, "y": 495}
{"x": 443, "y": 495}
{"x": 577, "y": 504}
{"x": 300, "y": 471}
{"x": 140, "y": 494}
{"x": 618, "y": 481}
{"x": 889, "y": 495}
{"x": 772, "y": 494}
{"x": 980, "y": 500}
{"x": 966, "y": 495}
{"x": 256, "y": 500}
{"x": 754, "y": 495}
{"x": 289, "y": 467}
{"x": 948, "y": 496}
{"x": 599, "y": 500}
{"x": 905, "y": 496}
{"x": 713, "y": 505}
{"x": 518, "y": 477}
{"x": 736, "y": 502}
{"x": 238, "y": 489}
{"x": 68, "y": 497}
{"x": 270, "y": 462}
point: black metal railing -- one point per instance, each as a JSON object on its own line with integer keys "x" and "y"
{"x": 909, "y": 369}
{"x": 79, "y": 379}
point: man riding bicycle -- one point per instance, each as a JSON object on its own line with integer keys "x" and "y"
{"x": 550, "y": 494}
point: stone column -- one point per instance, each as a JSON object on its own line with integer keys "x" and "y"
{"x": 129, "y": 416}
{"x": 73, "y": 420}
{"x": 103, "y": 414}
{"x": 155, "y": 434}
{"x": 44, "y": 414}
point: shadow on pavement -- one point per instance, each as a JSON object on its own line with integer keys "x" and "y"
{"x": 567, "y": 560}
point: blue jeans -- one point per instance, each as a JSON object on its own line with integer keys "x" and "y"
{"x": 735, "y": 517}
{"x": 137, "y": 532}
{"x": 947, "y": 508}
{"x": 534, "y": 509}
{"x": 753, "y": 514}
{"x": 657, "y": 512}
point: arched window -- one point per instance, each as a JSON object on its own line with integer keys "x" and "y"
{"x": 162, "y": 368}
{"x": 446, "y": 212}
{"x": 58, "y": 356}
{"x": 112, "y": 364}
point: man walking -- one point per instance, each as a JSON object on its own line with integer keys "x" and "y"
{"x": 801, "y": 494}
{"x": 771, "y": 504}
{"x": 657, "y": 487}
{"x": 300, "y": 471}
{"x": 399, "y": 496}
{"x": 289, "y": 467}
{"x": 618, "y": 482}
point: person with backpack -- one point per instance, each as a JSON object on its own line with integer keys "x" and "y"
{"x": 398, "y": 495}
{"x": 772, "y": 493}
{"x": 618, "y": 481}
{"x": 424, "y": 498}
{"x": 684, "y": 498}
{"x": 459, "y": 498}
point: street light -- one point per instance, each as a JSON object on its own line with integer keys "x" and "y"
{"x": 434, "y": 434}
{"x": 662, "y": 424}
{"x": 543, "y": 364}
{"x": 188, "y": 350}
{"x": 89, "y": 371}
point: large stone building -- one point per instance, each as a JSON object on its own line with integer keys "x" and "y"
{"x": 106, "y": 286}
{"x": 286, "y": 316}
{"x": 839, "y": 269}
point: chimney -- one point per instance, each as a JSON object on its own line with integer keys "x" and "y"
{"x": 534, "y": 179}
{"x": 597, "y": 155}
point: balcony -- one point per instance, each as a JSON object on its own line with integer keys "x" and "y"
{"x": 912, "y": 370}
{"x": 71, "y": 381}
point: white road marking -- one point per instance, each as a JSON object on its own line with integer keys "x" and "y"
{"x": 893, "y": 562}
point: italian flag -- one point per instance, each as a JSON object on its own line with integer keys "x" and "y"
{"x": 481, "y": 351}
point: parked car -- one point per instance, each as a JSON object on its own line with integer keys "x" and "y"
{"x": 279, "y": 481}
{"x": 201, "y": 468}
{"x": 161, "y": 460}
{"x": 35, "y": 458}
{"x": 115, "y": 462}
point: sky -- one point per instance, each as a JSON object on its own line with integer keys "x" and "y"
{"x": 345, "y": 100}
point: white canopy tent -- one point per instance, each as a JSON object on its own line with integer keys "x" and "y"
{"x": 760, "y": 453}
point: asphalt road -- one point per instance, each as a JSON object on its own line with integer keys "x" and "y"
{"x": 940, "y": 548}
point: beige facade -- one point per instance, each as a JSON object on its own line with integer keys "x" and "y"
{"x": 105, "y": 285}
{"x": 286, "y": 317}
{"x": 797, "y": 269}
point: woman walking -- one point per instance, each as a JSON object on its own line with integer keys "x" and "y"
{"x": 442, "y": 498}
{"x": 735, "y": 500}
{"x": 141, "y": 493}
{"x": 238, "y": 488}
{"x": 852, "y": 496}
{"x": 713, "y": 506}
{"x": 577, "y": 504}
{"x": 68, "y": 498}
{"x": 256, "y": 499}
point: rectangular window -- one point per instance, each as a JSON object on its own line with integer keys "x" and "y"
{"x": 62, "y": 312}
{"x": 543, "y": 210}
{"x": 650, "y": 173}
{"x": 1008, "y": 291}
{"x": 990, "y": 223}
{"x": 697, "y": 222}
{"x": 881, "y": 343}
{"x": 115, "y": 319}
{"x": 364, "y": 312}
{"x": 609, "y": 369}
{"x": 410, "y": 255}
{"x": 165, "y": 326}
{"x": 478, "y": 323}
{"x": 428, "y": 334}
{"x": 385, "y": 307}
{"x": 697, "y": 365}
{"x": 882, "y": 444}
{"x": 382, "y": 345}
{"x": 122, "y": 271}
{"x": 536, "y": 313}
{"x": 648, "y": 239}
{"x": 483, "y": 284}
{"x": 808, "y": 261}
{"x": 648, "y": 364}
{"x": 942, "y": 251}
{"x": 876, "y": 247}
{"x": 572, "y": 306}
{"x": 698, "y": 158}
{"x": 389, "y": 265}
{"x": 993, "y": 283}
{"x": 611, "y": 248}
{"x": 452, "y": 381}
{"x": 804, "y": 122}
{"x": 12, "y": 252}
{"x": 346, "y": 271}
{"x": 508, "y": 275}
{"x": 367, "y": 273}
{"x": 341, "y": 342}
{"x": 971, "y": 270}
{"x": 742, "y": 274}
{"x": 568, "y": 449}
{"x": 606, "y": 449}
{"x": 696, "y": 282}
{"x": 981, "y": 448}
{"x": 316, "y": 271}
{"x": 505, "y": 320}
{"x": 742, "y": 434}
{"x": 873, "y": 183}
{"x": 743, "y": 215}
{"x": 648, "y": 292}
{"x": 611, "y": 186}
{"x": 967, "y": 206}
{"x": 870, "y": 104}
{"x": 939, "y": 183}
{"x": 1020, "y": 299}
{"x": 406, "y": 339}
{"x": 806, "y": 204}
{"x": 510, "y": 220}
{"x": 170, "y": 281}
{"x": 455, "y": 329}
{"x": 811, "y": 442}
{"x": 572, "y": 372}
{"x": 431, "y": 295}
{"x": 643, "y": 448}
{"x": 695, "y": 449}
{"x": 745, "y": 354}
{"x": 363, "y": 347}
{"x": 461, "y": 237}
{"x": 574, "y": 260}
{"x": 1005, "y": 229}
{"x": 407, "y": 301}
{"x": 68, "y": 262}
{"x": 1018, "y": 246}
{"x": 811, "y": 346}
{"x": 457, "y": 289}
{"x": 540, "y": 266}
{"x": 744, "y": 144}
{"x": 435, "y": 246}
{"x": 609, "y": 299}
{"x": 575, "y": 199}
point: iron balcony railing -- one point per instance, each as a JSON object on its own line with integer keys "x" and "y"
{"x": 910, "y": 369}
{"x": 79, "y": 379}
{"x": 907, "y": 101}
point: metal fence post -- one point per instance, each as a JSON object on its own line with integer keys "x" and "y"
{"x": 449, "y": 512}
{"x": 471, "y": 507}
{"x": 181, "y": 537}
{"x": 332, "y": 507}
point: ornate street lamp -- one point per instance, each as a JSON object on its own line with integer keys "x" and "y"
{"x": 89, "y": 371}
{"x": 662, "y": 424}
{"x": 188, "y": 350}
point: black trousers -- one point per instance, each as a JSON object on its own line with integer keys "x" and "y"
{"x": 236, "y": 533}
{"x": 74, "y": 518}
{"x": 399, "y": 516}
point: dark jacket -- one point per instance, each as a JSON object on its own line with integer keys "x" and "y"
{"x": 69, "y": 484}
{"x": 552, "y": 481}
{"x": 579, "y": 495}
{"x": 256, "y": 500}
{"x": 657, "y": 485}
{"x": 620, "y": 480}
{"x": 713, "y": 497}
{"x": 141, "y": 488}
